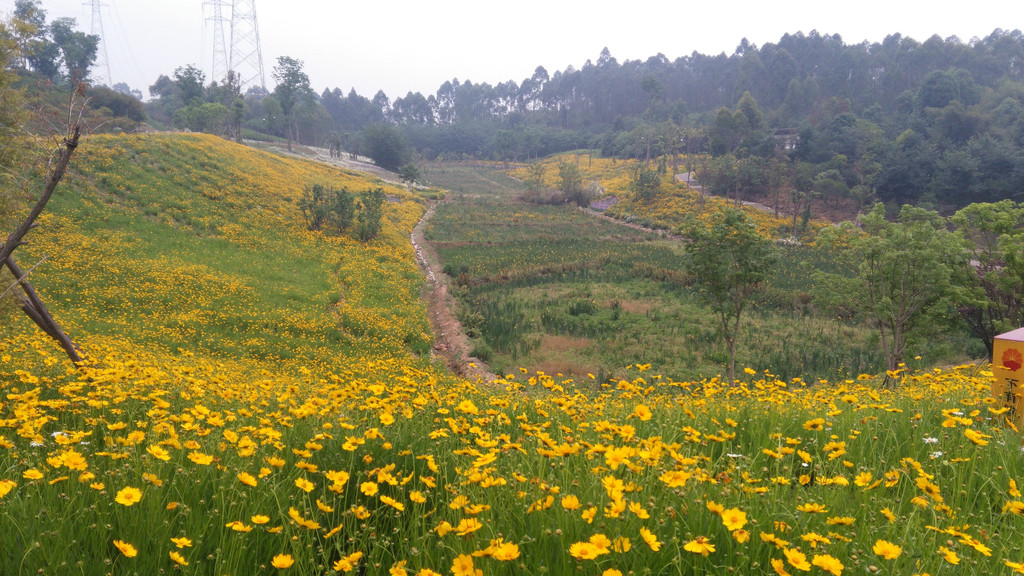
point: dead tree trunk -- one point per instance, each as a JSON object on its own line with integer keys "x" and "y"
{"x": 28, "y": 298}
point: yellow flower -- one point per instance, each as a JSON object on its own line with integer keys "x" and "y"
{"x": 651, "y": 539}
{"x": 589, "y": 514}
{"x": 584, "y": 551}
{"x": 127, "y": 549}
{"x": 304, "y": 485}
{"x": 247, "y": 479}
{"x": 700, "y": 545}
{"x": 417, "y": 497}
{"x": 601, "y": 542}
{"x": 828, "y": 564}
{"x": 337, "y": 477}
{"x": 238, "y": 526}
{"x": 32, "y": 474}
{"x": 282, "y": 561}
{"x": 368, "y": 488}
{"x": 178, "y": 558}
{"x": 200, "y": 458}
{"x": 393, "y": 503}
{"x": 6, "y": 486}
{"x": 1016, "y": 566}
{"x": 642, "y": 412}
{"x": 887, "y": 550}
{"x": 463, "y": 566}
{"x": 734, "y": 519}
{"x": 812, "y": 508}
{"x": 976, "y": 437}
{"x": 500, "y": 550}
{"x": 741, "y": 536}
{"x": 611, "y": 572}
{"x": 780, "y": 567}
{"x": 571, "y": 502}
{"x": 259, "y": 519}
{"x": 797, "y": 559}
{"x": 348, "y": 563}
{"x": 637, "y": 509}
{"x": 181, "y": 542}
{"x": 948, "y": 555}
{"x": 815, "y": 424}
{"x": 128, "y": 496}
{"x": 468, "y": 526}
{"x": 1015, "y": 507}
{"x": 888, "y": 514}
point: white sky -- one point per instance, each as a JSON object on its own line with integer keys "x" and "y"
{"x": 415, "y": 45}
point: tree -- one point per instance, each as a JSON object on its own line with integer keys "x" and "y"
{"x": 206, "y": 117}
{"x": 189, "y": 81}
{"x": 36, "y": 50}
{"x": 992, "y": 302}
{"x": 237, "y": 117}
{"x": 371, "y": 214}
{"x": 78, "y": 49}
{"x": 25, "y": 294}
{"x": 409, "y": 173}
{"x": 385, "y": 146}
{"x": 571, "y": 181}
{"x": 327, "y": 207}
{"x": 900, "y": 274}
{"x": 645, "y": 183}
{"x": 292, "y": 87}
{"x": 729, "y": 261}
{"x": 535, "y": 176}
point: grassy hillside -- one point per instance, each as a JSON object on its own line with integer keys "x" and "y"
{"x": 192, "y": 242}
{"x": 319, "y": 440}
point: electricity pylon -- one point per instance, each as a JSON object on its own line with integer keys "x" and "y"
{"x": 219, "y": 68}
{"x": 101, "y": 68}
{"x": 246, "y": 58}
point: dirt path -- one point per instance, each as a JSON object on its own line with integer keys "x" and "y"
{"x": 659, "y": 233}
{"x": 450, "y": 341}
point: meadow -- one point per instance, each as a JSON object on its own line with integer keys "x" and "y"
{"x": 323, "y": 439}
{"x": 558, "y": 290}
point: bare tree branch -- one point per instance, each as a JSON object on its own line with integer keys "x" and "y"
{"x": 18, "y": 281}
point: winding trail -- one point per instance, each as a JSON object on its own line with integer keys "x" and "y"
{"x": 450, "y": 341}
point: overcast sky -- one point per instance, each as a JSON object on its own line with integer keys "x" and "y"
{"x": 415, "y": 45}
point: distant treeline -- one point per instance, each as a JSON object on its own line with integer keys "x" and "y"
{"x": 938, "y": 121}
{"x": 809, "y": 118}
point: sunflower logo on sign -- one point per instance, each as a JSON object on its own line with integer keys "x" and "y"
{"x": 1012, "y": 359}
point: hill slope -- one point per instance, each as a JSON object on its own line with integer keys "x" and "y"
{"x": 236, "y": 421}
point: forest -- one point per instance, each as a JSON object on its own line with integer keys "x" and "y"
{"x": 937, "y": 122}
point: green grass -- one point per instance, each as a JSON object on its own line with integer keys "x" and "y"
{"x": 540, "y": 261}
{"x": 206, "y": 249}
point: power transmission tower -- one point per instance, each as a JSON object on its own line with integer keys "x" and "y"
{"x": 246, "y": 58}
{"x": 101, "y": 74}
{"x": 220, "y": 66}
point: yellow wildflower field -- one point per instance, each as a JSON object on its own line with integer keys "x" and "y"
{"x": 259, "y": 399}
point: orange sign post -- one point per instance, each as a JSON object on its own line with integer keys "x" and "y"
{"x": 1008, "y": 368}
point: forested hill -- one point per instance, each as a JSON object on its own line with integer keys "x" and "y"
{"x": 938, "y": 120}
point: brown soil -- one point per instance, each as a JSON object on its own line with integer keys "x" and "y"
{"x": 555, "y": 343}
{"x": 450, "y": 342}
